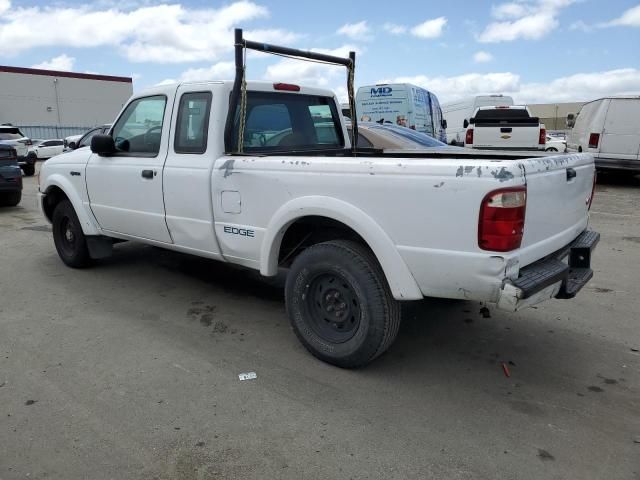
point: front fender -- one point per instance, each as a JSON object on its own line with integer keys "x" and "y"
{"x": 403, "y": 285}
{"x": 89, "y": 225}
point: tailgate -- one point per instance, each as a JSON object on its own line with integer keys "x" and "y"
{"x": 519, "y": 137}
{"x": 558, "y": 193}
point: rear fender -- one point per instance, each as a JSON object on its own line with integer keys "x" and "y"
{"x": 403, "y": 285}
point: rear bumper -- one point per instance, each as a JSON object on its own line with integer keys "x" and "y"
{"x": 559, "y": 275}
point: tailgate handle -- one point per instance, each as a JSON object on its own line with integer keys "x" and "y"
{"x": 506, "y": 130}
{"x": 571, "y": 173}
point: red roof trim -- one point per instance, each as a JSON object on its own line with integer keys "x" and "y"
{"x": 54, "y": 73}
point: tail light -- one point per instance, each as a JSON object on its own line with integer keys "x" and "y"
{"x": 543, "y": 137}
{"x": 287, "y": 87}
{"x": 594, "y": 139}
{"x": 468, "y": 138}
{"x": 501, "y": 223}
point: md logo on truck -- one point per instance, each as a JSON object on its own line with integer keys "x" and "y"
{"x": 381, "y": 92}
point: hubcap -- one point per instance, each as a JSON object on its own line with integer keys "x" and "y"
{"x": 68, "y": 237}
{"x": 333, "y": 308}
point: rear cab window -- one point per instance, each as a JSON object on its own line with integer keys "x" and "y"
{"x": 501, "y": 114}
{"x": 277, "y": 122}
{"x": 10, "y": 133}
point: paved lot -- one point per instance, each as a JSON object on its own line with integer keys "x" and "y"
{"x": 130, "y": 370}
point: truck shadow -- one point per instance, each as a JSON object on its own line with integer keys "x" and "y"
{"x": 440, "y": 341}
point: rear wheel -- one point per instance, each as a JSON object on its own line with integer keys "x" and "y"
{"x": 10, "y": 199}
{"x": 552, "y": 149}
{"x": 339, "y": 304}
{"x": 29, "y": 170}
{"x": 68, "y": 237}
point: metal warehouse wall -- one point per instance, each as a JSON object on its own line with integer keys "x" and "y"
{"x": 60, "y": 98}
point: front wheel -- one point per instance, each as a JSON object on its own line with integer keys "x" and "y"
{"x": 340, "y": 305}
{"x": 68, "y": 237}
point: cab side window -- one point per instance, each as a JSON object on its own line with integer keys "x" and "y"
{"x": 192, "y": 124}
{"x": 139, "y": 129}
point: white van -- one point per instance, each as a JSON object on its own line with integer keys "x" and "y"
{"x": 459, "y": 111}
{"x": 609, "y": 128}
{"x": 402, "y": 104}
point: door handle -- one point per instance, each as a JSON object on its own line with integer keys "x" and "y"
{"x": 147, "y": 174}
{"x": 571, "y": 173}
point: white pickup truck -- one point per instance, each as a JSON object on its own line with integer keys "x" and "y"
{"x": 359, "y": 231}
{"x": 505, "y": 127}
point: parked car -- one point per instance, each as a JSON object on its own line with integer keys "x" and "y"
{"x": 12, "y": 136}
{"x": 374, "y": 135}
{"x": 555, "y": 144}
{"x": 401, "y": 104}
{"x": 609, "y": 128}
{"x": 358, "y": 231}
{"x": 70, "y": 142}
{"x": 48, "y": 148}
{"x": 84, "y": 140}
{"x": 505, "y": 128}
{"x": 10, "y": 177}
{"x": 457, "y": 112}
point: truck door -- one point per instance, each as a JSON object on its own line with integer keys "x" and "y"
{"x": 125, "y": 189}
{"x": 187, "y": 171}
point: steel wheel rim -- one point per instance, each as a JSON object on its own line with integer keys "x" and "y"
{"x": 68, "y": 237}
{"x": 332, "y": 307}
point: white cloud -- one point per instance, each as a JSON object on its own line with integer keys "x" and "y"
{"x": 527, "y": 19}
{"x": 310, "y": 73}
{"x": 573, "y": 88}
{"x": 581, "y": 25}
{"x": 482, "y": 57}
{"x": 460, "y": 86}
{"x": 4, "y": 6}
{"x": 630, "y": 18}
{"x": 62, "y": 63}
{"x": 165, "y": 33}
{"x": 429, "y": 29}
{"x": 394, "y": 29}
{"x": 356, "y": 31}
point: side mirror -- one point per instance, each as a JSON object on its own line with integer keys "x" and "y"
{"x": 571, "y": 120}
{"x": 465, "y": 124}
{"x": 103, "y": 145}
{"x": 444, "y": 124}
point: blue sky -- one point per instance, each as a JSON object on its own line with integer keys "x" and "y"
{"x": 535, "y": 50}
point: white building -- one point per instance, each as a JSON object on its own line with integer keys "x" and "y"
{"x": 47, "y": 98}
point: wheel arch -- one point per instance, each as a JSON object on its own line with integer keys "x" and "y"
{"x": 57, "y": 189}
{"x": 401, "y": 282}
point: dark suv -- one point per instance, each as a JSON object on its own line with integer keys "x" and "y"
{"x": 10, "y": 177}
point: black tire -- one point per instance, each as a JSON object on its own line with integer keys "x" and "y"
{"x": 10, "y": 199}
{"x": 551, "y": 149}
{"x": 29, "y": 170}
{"x": 68, "y": 237}
{"x": 343, "y": 279}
